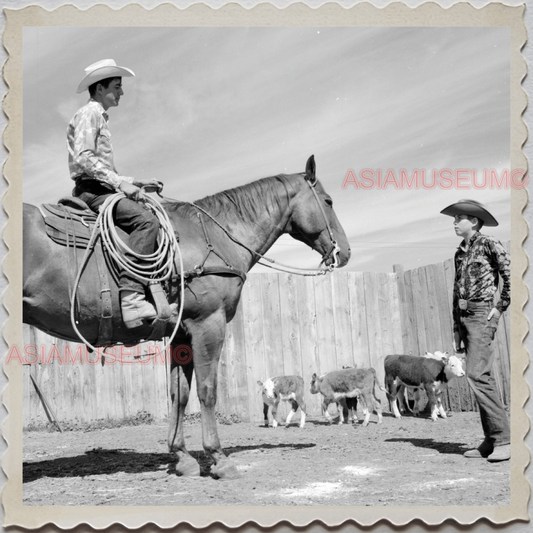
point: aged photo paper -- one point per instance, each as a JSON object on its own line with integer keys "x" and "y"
{"x": 404, "y": 111}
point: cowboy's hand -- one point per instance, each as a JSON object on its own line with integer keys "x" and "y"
{"x": 494, "y": 312}
{"x": 149, "y": 185}
{"x": 133, "y": 192}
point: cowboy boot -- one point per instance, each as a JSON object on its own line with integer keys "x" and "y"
{"x": 483, "y": 450}
{"x": 135, "y": 309}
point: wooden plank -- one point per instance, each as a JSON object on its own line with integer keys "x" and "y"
{"x": 427, "y": 301}
{"x": 272, "y": 346}
{"x": 444, "y": 308}
{"x": 358, "y": 317}
{"x": 146, "y": 370}
{"x": 310, "y": 357}
{"x": 290, "y": 331}
{"x": 403, "y": 308}
{"x": 372, "y": 305}
{"x": 325, "y": 324}
{"x": 395, "y": 315}
{"x": 240, "y": 371}
{"x": 386, "y": 330}
{"x": 341, "y": 319}
{"x": 225, "y": 388}
{"x": 130, "y": 383}
{"x": 160, "y": 364}
{"x": 432, "y": 309}
{"x": 412, "y": 325}
{"x": 252, "y": 312}
{"x": 417, "y": 282}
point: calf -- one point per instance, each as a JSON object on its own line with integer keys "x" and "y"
{"x": 338, "y": 385}
{"x": 403, "y": 399}
{"x": 286, "y": 388}
{"x": 430, "y": 374}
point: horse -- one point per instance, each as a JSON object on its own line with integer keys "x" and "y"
{"x": 244, "y": 223}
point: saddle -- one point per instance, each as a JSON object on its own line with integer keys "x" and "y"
{"x": 71, "y": 223}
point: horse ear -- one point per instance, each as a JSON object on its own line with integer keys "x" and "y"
{"x": 310, "y": 170}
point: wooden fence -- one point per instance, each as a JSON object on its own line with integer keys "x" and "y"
{"x": 285, "y": 324}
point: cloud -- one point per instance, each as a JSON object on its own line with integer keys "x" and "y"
{"x": 214, "y": 108}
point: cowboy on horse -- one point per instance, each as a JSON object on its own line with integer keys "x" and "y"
{"x": 91, "y": 166}
{"x": 223, "y": 235}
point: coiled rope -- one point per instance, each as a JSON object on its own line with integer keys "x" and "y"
{"x": 146, "y": 268}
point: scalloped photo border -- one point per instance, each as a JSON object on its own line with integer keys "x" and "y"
{"x": 396, "y": 14}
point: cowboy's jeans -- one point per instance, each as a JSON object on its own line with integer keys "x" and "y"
{"x": 478, "y": 334}
{"x": 141, "y": 225}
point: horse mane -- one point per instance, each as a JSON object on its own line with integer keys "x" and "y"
{"x": 248, "y": 201}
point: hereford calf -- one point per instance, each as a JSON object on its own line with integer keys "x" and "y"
{"x": 430, "y": 374}
{"x": 338, "y": 385}
{"x": 286, "y": 388}
{"x": 402, "y": 397}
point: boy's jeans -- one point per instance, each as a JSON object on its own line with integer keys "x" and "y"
{"x": 478, "y": 334}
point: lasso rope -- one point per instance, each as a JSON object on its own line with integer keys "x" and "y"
{"x": 147, "y": 268}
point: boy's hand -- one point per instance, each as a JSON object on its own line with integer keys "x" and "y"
{"x": 133, "y": 192}
{"x": 149, "y": 185}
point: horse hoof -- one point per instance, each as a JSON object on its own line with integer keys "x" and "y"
{"x": 188, "y": 468}
{"x": 225, "y": 471}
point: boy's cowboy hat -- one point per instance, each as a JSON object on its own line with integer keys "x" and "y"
{"x": 472, "y": 208}
{"x": 106, "y": 68}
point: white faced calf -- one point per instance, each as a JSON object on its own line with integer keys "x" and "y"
{"x": 402, "y": 398}
{"x": 286, "y": 388}
{"x": 430, "y": 374}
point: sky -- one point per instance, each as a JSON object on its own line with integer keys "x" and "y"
{"x": 214, "y": 108}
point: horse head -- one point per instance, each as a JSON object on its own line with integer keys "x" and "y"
{"x": 314, "y": 222}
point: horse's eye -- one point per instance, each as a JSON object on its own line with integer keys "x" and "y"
{"x": 329, "y": 202}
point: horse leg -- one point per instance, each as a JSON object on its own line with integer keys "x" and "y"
{"x": 207, "y": 339}
{"x": 180, "y": 386}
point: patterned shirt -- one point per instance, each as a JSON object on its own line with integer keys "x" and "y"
{"x": 477, "y": 271}
{"x": 90, "y": 153}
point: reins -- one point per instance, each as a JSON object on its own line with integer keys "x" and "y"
{"x": 273, "y": 263}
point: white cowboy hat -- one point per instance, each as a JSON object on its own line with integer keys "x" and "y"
{"x": 106, "y": 68}
{"x": 472, "y": 208}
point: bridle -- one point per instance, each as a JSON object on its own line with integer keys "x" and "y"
{"x": 335, "y": 249}
{"x": 271, "y": 263}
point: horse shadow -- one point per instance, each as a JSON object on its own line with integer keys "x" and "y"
{"x": 100, "y": 462}
{"x": 451, "y": 448}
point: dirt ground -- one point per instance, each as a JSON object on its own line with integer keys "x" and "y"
{"x": 412, "y": 461}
